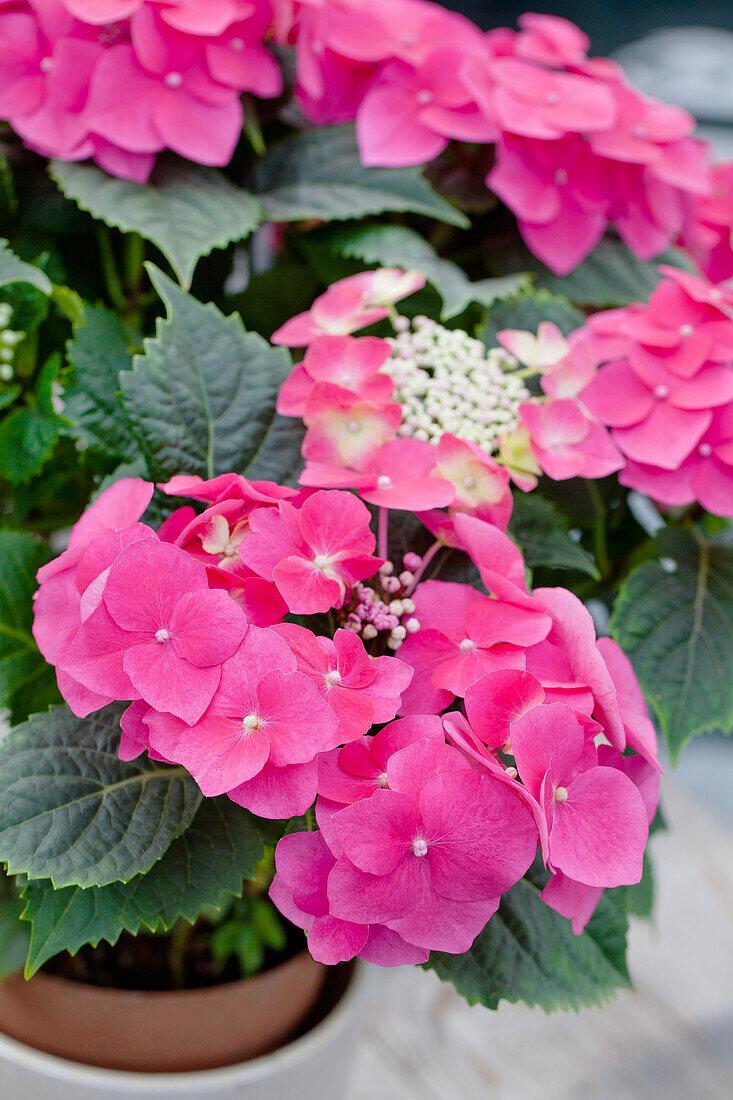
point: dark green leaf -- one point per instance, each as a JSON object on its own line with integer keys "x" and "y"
{"x": 543, "y": 536}
{"x": 673, "y": 619}
{"x": 14, "y": 932}
{"x": 611, "y": 276}
{"x": 185, "y": 209}
{"x": 202, "y": 397}
{"x": 98, "y": 353}
{"x": 398, "y": 246}
{"x": 202, "y": 869}
{"x": 27, "y": 440}
{"x": 318, "y": 174}
{"x": 13, "y": 270}
{"x": 529, "y": 953}
{"x": 527, "y": 312}
{"x": 72, "y": 811}
{"x": 20, "y": 661}
{"x": 640, "y": 898}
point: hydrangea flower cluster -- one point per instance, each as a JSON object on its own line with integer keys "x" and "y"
{"x": 214, "y": 629}
{"x": 576, "y": 146}
{"x": 121, "y": 80}
{"x": 665, "y": 389}
{"x": 9, "y": 340}
{"x": 707, "y": 235}
{"x": 447, "y": 381}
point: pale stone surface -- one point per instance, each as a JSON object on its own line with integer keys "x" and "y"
{"x": 671, "y": 1040}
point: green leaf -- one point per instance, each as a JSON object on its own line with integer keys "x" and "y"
{"x": 27, "y": 440}
{"x": 20, "y": 662}
{"x": 14, "y": 932}
{"x": 98, "y": 352}
{"x": 13, "y": 270}
{"x": 673, "y": 619}
{"x": 397, "y": 246}
{"x": 318, "y": 174}
{"x": 611, "y": 276}
{"x": 543, "y": 536}
{"x": 527, "y": 312}
{"x": 203, "y": 869}
{"x": 640, "y": 898}
{"x": 72, "y": 811}
{"x": 185, "y": 209}
{"x": 202, "y": 397}
{"x": 279, "y": 456}
{"x": 528, "y": 952}
{"x": 7, "y": 397}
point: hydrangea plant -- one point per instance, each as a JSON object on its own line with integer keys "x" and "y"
{"x": 365, "y": 478}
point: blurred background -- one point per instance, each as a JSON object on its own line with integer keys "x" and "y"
{"x": 678, "y": 50}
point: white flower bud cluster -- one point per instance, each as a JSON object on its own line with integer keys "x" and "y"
{"x": 447, "y": 382}
{"x": 8, "y": 341}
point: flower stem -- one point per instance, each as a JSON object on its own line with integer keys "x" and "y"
{"x": 383, "y": 534}
{"x": 112, "y": 280}
{"x": 427, "y": 558}
{"x": 600, "y": 542}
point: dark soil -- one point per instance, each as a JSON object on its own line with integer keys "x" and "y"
{"x": 160, "y": 963}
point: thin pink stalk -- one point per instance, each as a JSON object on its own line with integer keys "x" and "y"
{"x": 427, "y": 558}
{"x": 383, "y": 539}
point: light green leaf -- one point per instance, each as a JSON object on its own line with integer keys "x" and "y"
{"x": 185, "y": 209}
{"x": 673, "y": 619}
{"x": 397, "y": 246}
{"x": 13, "y": 270}
{"x": 543, "y": 536}
{"x": 72, "y": 811}
{"x": 528, "y": 952}
{"x": 202, "y": 397}
{"x": 203, "y": 869}
{"x": 27, "y": 440}
{"x": 318, "y": 174}
{"x": 93, "y": 404}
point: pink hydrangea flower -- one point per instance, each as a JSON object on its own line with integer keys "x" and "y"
{"x": 349, "y": 363}
{"x": 258, "y": 739}
{"x": 481, "y": 486}
{"x": 566, "y": 442}
{"x": 299, "y": 890}
{"x": 541, "y": 352}
{"x": 346, "y": 430}
{"x": 535, "y": 102}
{"x": 550, "y": 40}
{"x": 431, "y": 854}
{"x": 312, "y": 554}
{"x": 349, "y": 305}
{"x": 706, "y": 233}
{"x": 641, "y": 735}
{"x": 163, "y": 641}
{"x": 462, "y": 636}
{"x": 360, "y": 690}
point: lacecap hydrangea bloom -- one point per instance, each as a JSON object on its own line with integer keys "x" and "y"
{"x": 445, "y": 734}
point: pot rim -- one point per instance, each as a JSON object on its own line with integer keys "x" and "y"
{"x": 257, "y": 1069}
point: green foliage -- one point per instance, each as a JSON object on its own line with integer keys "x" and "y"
{"x": 253, "y": 927}
{"x": 185, "y": 209}
{"x": 527, "y": 312}
{"x": 14, "y": 932}
{"x": 203, "y": 869}
{"x": 98, "y": 353}
{"x": 72, "y": 811}
{"x": 202, "y": 397}
{"x": 397, "y": 246}
{"x": 27, "y": 441}
{"x": 673, "y": 619}
{"x": 542, "y": 532}
{"x": 13, "y": 270}
{"x": 611, "y": 276}
{"x": 529, "y": 953}
{"x": 318, "y": 174}
{"x": 21, "y": 665}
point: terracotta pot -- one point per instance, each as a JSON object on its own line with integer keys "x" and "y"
{"x": 161, "y": 1032}
{"x": 315, "y": 1066}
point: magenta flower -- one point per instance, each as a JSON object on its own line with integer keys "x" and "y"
{"x": 550, "y": 40}
{"x": 349, "y": 363}
{"x": 345, "y": 430}
{"x": 641, "y": 735}
{"x": 360, "y": 690}
{"x": 431, "y": 854}
{"x": 299, "y": 890}
{"x": 258, "y": 739}
{"x": 462, "y": 636}
{"x": 481, "y": 485}
{"x": 597, "y": 821}
{"x": 155, "y": 631}
{"x": 539, "y": 103}
{"x": 206, "y": 17}
{"x": 313, "y": 554}
{"x": 349, "y": 305}
{"x": 566, "y": 443}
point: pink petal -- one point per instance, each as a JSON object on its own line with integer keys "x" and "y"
{"x": 279, "y": 792}
{"x": 169, "y": 683}
{"x": 497, "y": 700}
